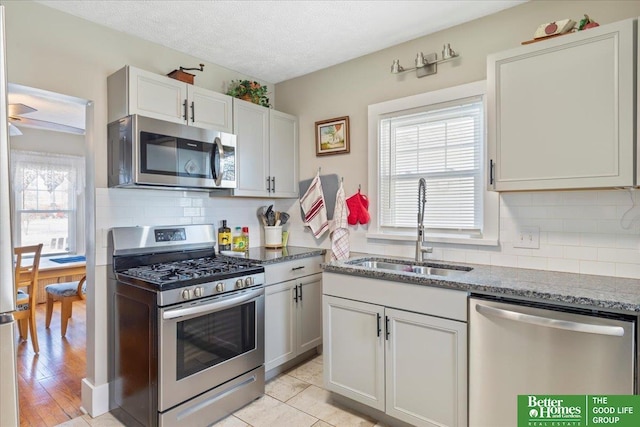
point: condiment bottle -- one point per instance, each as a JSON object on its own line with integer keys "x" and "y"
{"x": 245, "y": 234}
{"x": 224, "y": 237}
{"x": 238, "y": 240}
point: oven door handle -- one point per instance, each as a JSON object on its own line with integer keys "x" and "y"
{"x": 213, "y": 307}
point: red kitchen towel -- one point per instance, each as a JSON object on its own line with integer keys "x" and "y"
{"x": 340, "y": 228}
{"x": 314, "y": 209}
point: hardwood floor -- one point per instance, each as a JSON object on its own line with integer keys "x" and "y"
{"x": 49, "y": 383}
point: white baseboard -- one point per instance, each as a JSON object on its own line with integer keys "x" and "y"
{"x": 95, "y": 399}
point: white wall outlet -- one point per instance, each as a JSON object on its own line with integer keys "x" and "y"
{"x": 527, "y": 237}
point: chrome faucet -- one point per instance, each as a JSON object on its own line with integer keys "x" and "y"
{"x": 421, "y": 249}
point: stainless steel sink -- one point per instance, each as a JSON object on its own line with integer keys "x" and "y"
{"x": 410, "y": 268}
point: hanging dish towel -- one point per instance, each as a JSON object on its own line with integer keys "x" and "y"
{"x": 339, "y": 228}
{"x": 315, "y": 211}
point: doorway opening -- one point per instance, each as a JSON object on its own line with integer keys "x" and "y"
{"x": 50, "y": 151}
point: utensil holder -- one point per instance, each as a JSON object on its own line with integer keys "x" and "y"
{"x": 273, "y": 236}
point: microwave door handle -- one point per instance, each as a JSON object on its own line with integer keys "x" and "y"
{"x": 216, "y": 161}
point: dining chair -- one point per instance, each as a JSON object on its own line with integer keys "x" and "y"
{"x": 26, "y": 284}
{"x": 67, "y": 293}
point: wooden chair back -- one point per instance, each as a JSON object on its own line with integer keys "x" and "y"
{"x": 26, "y": 280}
{"x": 67, "y": 293}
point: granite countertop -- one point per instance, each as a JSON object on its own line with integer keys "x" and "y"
{"x": 588, "y": 291}
{"x": 265, "y": 256}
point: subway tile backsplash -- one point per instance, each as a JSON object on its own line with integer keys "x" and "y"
{"x": 119, "y": 207}
{"x": 589, "y": 232}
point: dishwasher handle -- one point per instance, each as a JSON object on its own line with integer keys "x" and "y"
{"x": 616, "y": 331}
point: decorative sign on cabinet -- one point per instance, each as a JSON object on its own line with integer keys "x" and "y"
{"x": 135, "y": 91}
{"x": 267, "y": 151}
{"x": 561, "y": 112}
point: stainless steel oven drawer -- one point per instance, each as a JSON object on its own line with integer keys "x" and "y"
{"x": 217, "y": 403}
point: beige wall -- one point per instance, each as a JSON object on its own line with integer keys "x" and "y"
{"x": 51, "y": 50}
{"x": 48, "y": 141}
{"x": 347, "y": 89}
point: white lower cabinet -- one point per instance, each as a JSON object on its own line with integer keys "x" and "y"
{"x": 293, "y": 318}
{"x": 411, "y": 366}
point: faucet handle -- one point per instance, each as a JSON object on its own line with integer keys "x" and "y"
{"x": 427, "y": 249}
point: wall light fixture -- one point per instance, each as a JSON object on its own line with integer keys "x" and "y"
{"x": 426, "y": 65}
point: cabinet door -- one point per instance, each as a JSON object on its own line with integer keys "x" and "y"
{"x": 209, "y": 109}
{"x": 156, "y": 96}
{"x": 251, "y": 126}
{"x": 561, "y": 111}
{"x": 426, "y": 369}
{"x": 354, "y": 350}
{"x": 279, "y": 321}
{"x": 283, "y": 152}
{"x": 309, "y": 308}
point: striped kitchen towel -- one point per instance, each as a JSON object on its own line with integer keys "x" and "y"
{"x": 340, "y": 228}
{"x": 315, "y": 211}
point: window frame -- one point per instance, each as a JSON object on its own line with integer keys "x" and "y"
{"x": 490, "y": 200}
{"x": 75, "y": 214}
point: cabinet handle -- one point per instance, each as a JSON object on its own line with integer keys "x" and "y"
{"x": 268, "y": 185}
{"x": 386, "y": 327}
{"x": 491, "y": 168}
{"x": 273, "y": 184}
{"x": 295, "y": 298}
{"x": 184, "y": 105}
{"x": 300, "y": 285}
{"x": 378, "y": 323}
{"x": 193, "y": 112}
{"x": 297, "y": 268}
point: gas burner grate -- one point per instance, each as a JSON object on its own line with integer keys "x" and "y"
{"x": 176, "y": 271}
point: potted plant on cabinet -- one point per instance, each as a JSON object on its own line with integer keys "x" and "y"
{"x": 248, "y": 90}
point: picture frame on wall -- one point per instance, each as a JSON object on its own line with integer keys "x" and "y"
{"x": 332, "y": 136}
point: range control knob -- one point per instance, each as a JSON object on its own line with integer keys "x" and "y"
{"x": 186, "y": 294}
{"x": 198, "y": 292}
{"x": 220, "y": 287}
{"x": 239, "y": 284}
{"x": 248, "y": 281}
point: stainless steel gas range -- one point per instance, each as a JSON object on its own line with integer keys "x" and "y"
{"x": 186, "y": 327}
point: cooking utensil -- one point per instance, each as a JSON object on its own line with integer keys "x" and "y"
{"x": 261, "y": 215}
{"x": 284, "y": 217}
{"x": 271, "y": 218}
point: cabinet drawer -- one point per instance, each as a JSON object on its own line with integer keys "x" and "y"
{"x": 275, "y": 273}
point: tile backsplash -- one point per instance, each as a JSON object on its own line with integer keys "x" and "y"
{"x": 589, "y": 232}
{"x": 118, "y": 207}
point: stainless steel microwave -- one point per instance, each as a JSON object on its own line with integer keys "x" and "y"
{"x": 145, "y": 152}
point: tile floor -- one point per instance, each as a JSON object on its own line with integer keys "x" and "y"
{"x": 293, "y": 399}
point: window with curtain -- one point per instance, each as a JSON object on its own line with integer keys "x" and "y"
{"x": 442, "y": 143}
{"x": 48, "y": 207}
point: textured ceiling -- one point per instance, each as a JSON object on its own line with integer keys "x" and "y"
{"x": 274, "y": 41}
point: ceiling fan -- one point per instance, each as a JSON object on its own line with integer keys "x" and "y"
{"x": 17, "y": 112}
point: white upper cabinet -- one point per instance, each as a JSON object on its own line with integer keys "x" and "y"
{"x": 560, "y": 112}
{"x": 267, "y": 151}
{"x": 135, "y": 91}
{"x": 283, "y": 153}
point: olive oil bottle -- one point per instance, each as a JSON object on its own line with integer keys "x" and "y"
{"x": 224, "y": 237}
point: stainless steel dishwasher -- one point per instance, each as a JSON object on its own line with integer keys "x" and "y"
{"x": 521, "y": 348}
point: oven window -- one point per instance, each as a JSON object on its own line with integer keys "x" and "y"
{"x": 211, "y": 339}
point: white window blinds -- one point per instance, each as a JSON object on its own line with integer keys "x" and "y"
{"x": 443, "y": 144}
